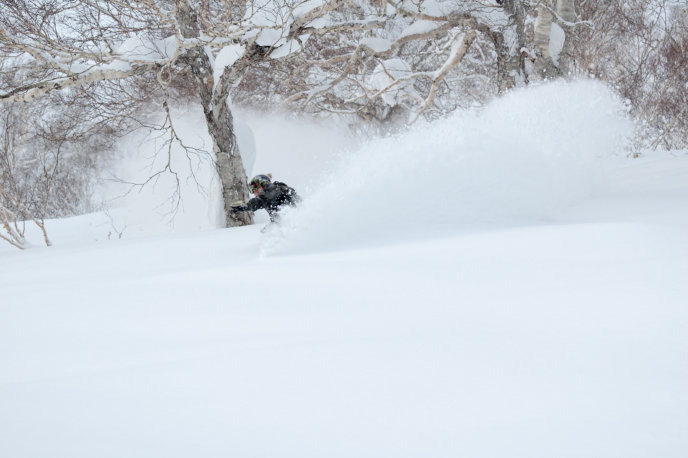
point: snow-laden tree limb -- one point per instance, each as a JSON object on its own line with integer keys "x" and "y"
{"x": 36, "y": 90}
{"x": 378, "y": 60}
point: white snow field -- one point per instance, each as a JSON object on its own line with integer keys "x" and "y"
{"x": 497, "y": 285}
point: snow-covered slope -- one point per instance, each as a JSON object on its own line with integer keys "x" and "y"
{"x": 557, "y": 328}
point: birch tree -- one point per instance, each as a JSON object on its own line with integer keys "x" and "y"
{"x": 425, "y": 57}
{"x": 52, "y": 46}
{"x": 422, "y": 56}
{"x": 49, "y": 46}
{"x": 556, "y": 21}
{"x": 68, "y": 46}
{"x": 383, "y": 61}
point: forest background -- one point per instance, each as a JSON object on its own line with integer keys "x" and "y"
{"x": 78, "y": 76}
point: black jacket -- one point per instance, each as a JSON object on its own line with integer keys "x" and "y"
{"x": 272, "y": 198}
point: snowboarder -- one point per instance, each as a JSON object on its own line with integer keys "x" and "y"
{"x": 270, "y": 195}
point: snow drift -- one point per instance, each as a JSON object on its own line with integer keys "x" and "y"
{"x": 523, "y": 158}
{"x": 564, "y": 340}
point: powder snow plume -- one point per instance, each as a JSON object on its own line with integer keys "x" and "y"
{"x": 523, "y": 159}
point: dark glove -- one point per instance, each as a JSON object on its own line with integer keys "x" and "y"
{"x": 239, "y": 208}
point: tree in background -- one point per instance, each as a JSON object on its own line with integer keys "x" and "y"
{"x": 66, "y": 47}
{"x": 398, "y": 61}
{"x": 50, "y": 152}
{"x": 85, "y": 46}
{"x": 640, "y": 48}
{"x": 552, "y": 42}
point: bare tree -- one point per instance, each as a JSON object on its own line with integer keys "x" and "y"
{"x": 402, "y": 60}
{"x": 556, "y": 26}
{"x": 384, "y": 61}
{"x": 24, "y": 196}
{"x": 69, "y": 46}
{"x": 639, "y": 48}
{"x": 414, "y": 59}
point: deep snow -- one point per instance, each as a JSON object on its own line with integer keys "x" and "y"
{"x": 530, "y": 301}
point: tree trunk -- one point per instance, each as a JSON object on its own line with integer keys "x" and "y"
{"x": 567, "y": 12}
{"x": 544, "y": 65}
{"x": 219, "y": 119}
{"x": 510, "y": 59}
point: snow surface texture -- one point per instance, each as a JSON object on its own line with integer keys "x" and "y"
{"x": 560, "y": 338}
{"x": 525, "y": 158}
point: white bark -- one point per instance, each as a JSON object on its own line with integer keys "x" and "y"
{"x": 459, "y": 50}
{"x": 32, "y": 92}
{"x": 567, "y": 13}
{"x": 509, "y": 43}
{"x": 328, "y": 77}
{"x": 564, "y": 16}
{"x": 566, "y": 10}
{"x": 544, "y": 66}
{"x": 219, "y": 119}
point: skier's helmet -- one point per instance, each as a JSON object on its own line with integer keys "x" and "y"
{"x": 259, "y": 182}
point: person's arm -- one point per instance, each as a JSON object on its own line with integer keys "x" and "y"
{"x": 255, "y": 204}
{"x": 252, "y": 205}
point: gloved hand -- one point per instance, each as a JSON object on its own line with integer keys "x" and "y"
{"x": 239, "y": 208}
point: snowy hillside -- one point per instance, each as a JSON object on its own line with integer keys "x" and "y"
{"x": 499, "y": 284}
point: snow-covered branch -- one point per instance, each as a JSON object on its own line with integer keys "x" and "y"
{"x": 33, "y": 91}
